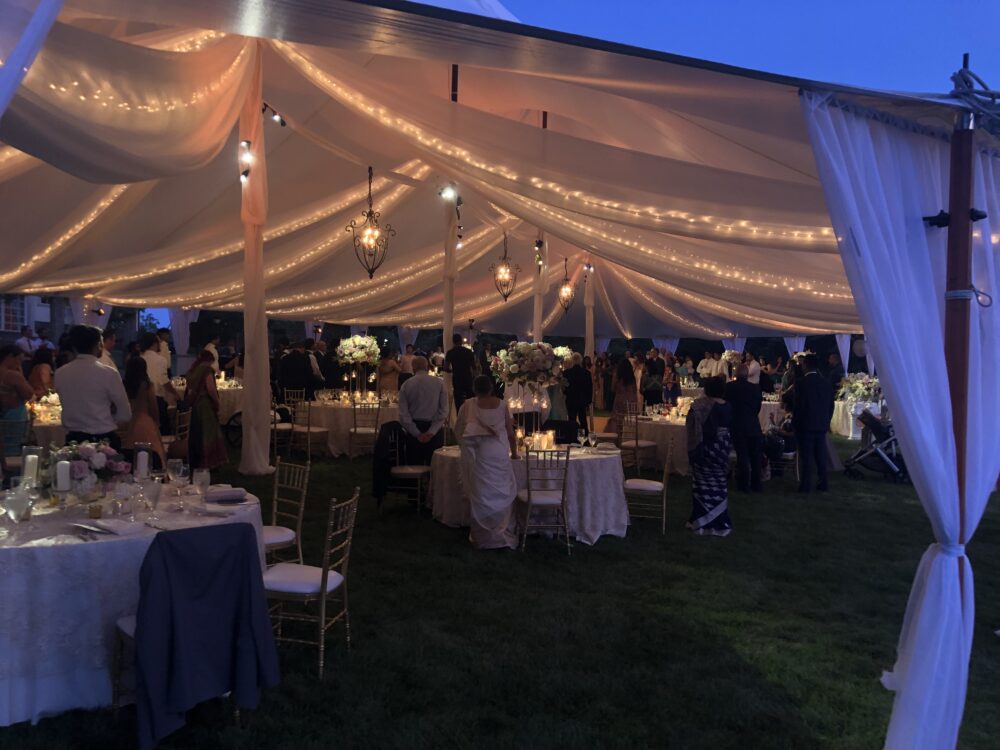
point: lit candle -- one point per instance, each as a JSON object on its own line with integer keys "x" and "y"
{"x": 222, "y": 376}
{"x": 62, "y": 476}
{"x": 30, "y": 469}
{"x": 142, "y": 465}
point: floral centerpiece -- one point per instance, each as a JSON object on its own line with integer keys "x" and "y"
{"x": 562, "y": 352}
{"x": 534, "y": 365}
{"x": 684, "y": 405}
{"x": 359, "y": 350}
{"x": 47, "y": 409}
{"x": 859, "y": 386}
{"x": 799, "y": 355}
{"x": 90, "y": 464}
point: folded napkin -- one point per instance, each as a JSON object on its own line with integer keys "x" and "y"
{"x": 117, "y": 526}
{"x": 607, "y": 448}
{"x": 225, "y": 495}
{"x": 51, "y": 541}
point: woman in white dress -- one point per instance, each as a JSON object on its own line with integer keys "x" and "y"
{"x": 485, "y": 431}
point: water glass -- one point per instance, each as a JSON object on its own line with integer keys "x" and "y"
{"x": 201, "y": 479}
{"x": 581, "y": 437}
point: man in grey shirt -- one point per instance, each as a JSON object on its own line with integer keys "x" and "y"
{"x": 423, "y": 409}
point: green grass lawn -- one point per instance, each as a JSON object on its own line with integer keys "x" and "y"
{"x": 772, "y": 638}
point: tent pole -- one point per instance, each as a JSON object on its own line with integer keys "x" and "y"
{"x": 958, "y": 299}
{"x": 588, "y": 306}
{"x": 538, "y": 312}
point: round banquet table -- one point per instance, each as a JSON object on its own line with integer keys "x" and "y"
{"x": 338, "y": 419}
{"x": 660, "y": 431}
{"x": 845, "y": 417}
{"x": 60, "y": 597}
{"x": 47, "y": 433}
{"x": 595, "y": 496}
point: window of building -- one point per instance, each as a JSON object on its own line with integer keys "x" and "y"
{"x": 11, "y": 312}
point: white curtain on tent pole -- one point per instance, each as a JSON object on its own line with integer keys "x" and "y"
{"x": 22, "y": 34}
{"x": 86, "y": 310}
{"x": 180, "y": 328}
{"x": 879, "y": 180}
{"x": 588, "y": 307}
{"x": 844, "y": 348}
{"x": 255, "y": 456}
{"x": 666, "y": 343}
{"x": 601, "y": 343}
{"x": 794, "y": 344}
{"x": 407, "y": 336}
{"x": 736, "y": 343}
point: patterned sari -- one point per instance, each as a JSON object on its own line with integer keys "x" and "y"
{"x": 208, "y": 448}
{"x": 709, "y": 442}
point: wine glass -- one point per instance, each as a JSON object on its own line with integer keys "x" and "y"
{"x": 174, "y": 466}
{"x": 149, "y": 496}
{"x": 592, "y": 439}
{"x": 180, "y": 480}
{"x": 581, "y": 437}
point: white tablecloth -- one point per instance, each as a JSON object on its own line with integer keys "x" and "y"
{"x": 692, "y": 392}
{"x": 337, "y": 419}
{"x": 660, "y": 431}
{"x": 845, "y": 417}
{"x": 594, "y": 493}
{"x": 230, "y": 402}
{"x": 59, "y": 602}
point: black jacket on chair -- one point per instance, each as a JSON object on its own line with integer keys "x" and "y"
{"x": 745, "y": 399}
{"x": 813, "y": 403}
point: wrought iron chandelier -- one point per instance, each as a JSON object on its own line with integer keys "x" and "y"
{"x": 505, "y": 273}
{"x": 371, "y": 242}
{"x": 567, "y": 292}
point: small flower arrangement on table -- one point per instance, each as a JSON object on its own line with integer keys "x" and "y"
{"x": 860, "y": 386}
{"x": 90, "y": 464}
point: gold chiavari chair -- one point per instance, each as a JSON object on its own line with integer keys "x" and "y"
{"x": 405, "y": 476}
{"x": 294, "y": 396}
{"x": 176, "y": 445}
{"x": 366, "y": 417}
{"x": 632, "y": 447}
{"x": 545, "y": 493}
{"x": 604, "y": 436}
{"x": 288, "y": 504}
{"x": 281, "y": 432}
{"x": 324, "y": 586}
{"x": 303, "y": 431}
{"x": 647, "y": 498}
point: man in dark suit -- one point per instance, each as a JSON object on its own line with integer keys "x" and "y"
{"x": 836, "y": 371}
{"x": 813, "y": 412}
{"x": 579, "y": 392}
{"x": 744, "y": 398}
{"x": 295, "y": 371}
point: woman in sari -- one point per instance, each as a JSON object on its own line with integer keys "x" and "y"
{"x": 207, "y": 447}
{"x": 144, "y": 426}
{"x": 485, "y": 431}
{"x": 15, "y": 392}
{"x": 40, "y": 376}
{"x": 625, "y": 393}
{"x": 709, "y": 441}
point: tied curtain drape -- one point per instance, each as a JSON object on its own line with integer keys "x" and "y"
{"x": 794, "y": 344}
{"x": 735, "y": 344}
{"x": 180, "y": 328}
{"x": 879, "y": 180}
{"x": 844, "y": 348}
{"x": 666, "y": 343}
{"x": 24, "y": 26}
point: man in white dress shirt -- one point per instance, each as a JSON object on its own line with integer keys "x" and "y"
{"x": 706, "y": 367}
{"x": 719, "y": 368}
{"x": 423, "y": 409}
{"x": 109, "y": 344}
{"x": 753, "y": 367}
{"x": 156, "y": 369}
{"x": 93, "y": 398}
{"x": 27, "y": 342}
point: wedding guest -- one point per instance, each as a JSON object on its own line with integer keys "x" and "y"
{"x": 437, "y": 358}
{"x": 623, "y": 384}
{"x": 706, "y": 367}
{"x": 682, "y": 368}
{"x": 327, "y": 366}
{"x": 744, "y": 399}
{"x": 836, "y": 370}
{"x": 651, "y": 386}
{"x": 156, "y": 370}
{"x": 317, "y": 374}
{"x": 388, "y": 372}
{"x": 671, "y": 387}
{"x": 813, "y": 411}
{"x": 27, "y": 342}
{"x": 753, "y": 369}
{"x": 406, "y": 364}
{"x": 423, "y": 409}
{"x": 109, "y": 344}
{"x": 485, "y": 431}
{"x": 460, "y": 362}
{"x": 780, "y": 439}
{"x": 40, "y": 375}
{"x": 719, "y": 367}
{"x": 655, "y": 366}
{"x": 64, "y": 352}
{"x": 295, "y": 372}
{"x": 43, "y": 341}
{"x": 15, "y": 392}
{"x": 131, "y": 350}
{"x": 207, "y": 448}
{"x": 483, "y": 358}
{"x": 92, "y": 396}
{"x": 212, "y": 347}
{"x": 166, "y": 347}
{"x": 143, "y": 426}
{"x": 579, "y": 392}
{"x": 709, "y": 441}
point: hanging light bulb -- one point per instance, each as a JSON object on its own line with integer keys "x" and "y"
{"x": 448, "y": 193}
{"x": 504, "y": 273}
{"x": 371, "y": 242}
{"x": 244, "y": 176}
{"x": 567, "y": 292}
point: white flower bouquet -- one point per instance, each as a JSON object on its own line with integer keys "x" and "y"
{"x": 535, "y": 366}
{"x": 732, "y": 357}
{"x": 859, "y": 386}
{"x": 359, "y": 350}
{"x": 47, "y": 409}
{"x": 562, "y": 353}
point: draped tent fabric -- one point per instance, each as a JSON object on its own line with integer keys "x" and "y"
{"x": 879, "y": 181}
{"x": 794, "y": 344}
{"x": 180, "y": 328}
{"x": 22, "y": 33}
{"x": 666, "y": 343}
{"x": 844, "y": 348}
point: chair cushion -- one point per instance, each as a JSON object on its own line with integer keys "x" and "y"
{"x": 409, "y": 471}
{"x": 277, "y": 535}
{"x": 542, "y": 498}
{"x": 640, "y": 485}
{"x": 626, "y": 443}
{"x": 362, "y": 430}
{"x": 788, "y": 456}
{"x": 282, "y": 426}
{"x": 126, "y": 626}
{"x": 290, "y": 578}
{"x": 312, "y": 430}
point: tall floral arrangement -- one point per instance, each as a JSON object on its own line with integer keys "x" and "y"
{"x": 359, "y": 350}
{"x": 562, "y": 352}
{"x": 732, "y": 357}
{"x": 859, "y": 386}
{"x": 534, "y": 365}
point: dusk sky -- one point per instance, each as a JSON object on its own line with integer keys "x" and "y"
{"x": 910, "y": 45}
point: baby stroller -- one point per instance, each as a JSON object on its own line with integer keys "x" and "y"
{"x": 880, "y": 453}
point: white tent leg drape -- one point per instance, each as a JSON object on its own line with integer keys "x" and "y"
{"x": 22, "y": 34}
{"x": 86, "y": 310}
{"x": 601, "y": 344}
{"x": 450, "y": 273}
{"x": 667, "y": 343}
{"x": 735, "y": 344}
{"x": 879, "y": 180}
{"x": 794, "y": 344}
{"x": 844, "y": 348}
{"x": 255, "y": 458}
{"x": 407, "y": 336}
{"x": 180, "y": 328}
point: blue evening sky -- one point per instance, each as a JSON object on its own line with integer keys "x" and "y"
{"x": 911, "y": 45}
